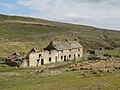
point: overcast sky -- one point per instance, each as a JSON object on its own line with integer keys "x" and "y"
{"x": 98, "y": 13}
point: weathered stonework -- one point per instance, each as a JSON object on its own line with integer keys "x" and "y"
{"x": 56, "y": 52}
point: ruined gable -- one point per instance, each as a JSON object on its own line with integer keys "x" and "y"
{"x": 56, "y": 51}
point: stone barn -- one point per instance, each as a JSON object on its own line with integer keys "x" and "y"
{"x": 56, "y": 52}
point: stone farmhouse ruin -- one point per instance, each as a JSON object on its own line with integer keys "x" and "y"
{"x": 56, "y": 51}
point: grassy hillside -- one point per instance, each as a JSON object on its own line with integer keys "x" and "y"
{"x": 23, "y": 33}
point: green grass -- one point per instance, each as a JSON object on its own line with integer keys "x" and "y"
{"x": 16, "y": 30}
{"x": 25, "y": 34}
{"x": 112, "y": 52}
{"x": 7, "y": 48}
{"x": 12, "y": 78}
{"x": 20, "y": 79}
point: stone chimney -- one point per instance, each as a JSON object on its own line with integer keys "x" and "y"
{"x": 51, "y": 43}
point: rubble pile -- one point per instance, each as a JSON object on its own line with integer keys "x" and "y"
{"x": 97, "y": 65}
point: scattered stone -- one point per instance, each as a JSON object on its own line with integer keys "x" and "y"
{"x": 98, "y": 65}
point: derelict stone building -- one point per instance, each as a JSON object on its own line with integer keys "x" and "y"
{"x": 56, "y": 52}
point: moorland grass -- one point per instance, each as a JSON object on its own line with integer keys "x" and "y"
{"x": 22, "y": 79}
{"x": 14, "y": 32}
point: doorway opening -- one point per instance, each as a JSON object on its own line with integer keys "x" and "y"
{"x": 55, "y": 58}
{"x": 65, "y": 59}
{"x": 42, "y": 61}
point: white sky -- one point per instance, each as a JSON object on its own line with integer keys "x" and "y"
{"x": 98, "y": 13}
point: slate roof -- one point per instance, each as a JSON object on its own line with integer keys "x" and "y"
{"x": 66, "y": 45}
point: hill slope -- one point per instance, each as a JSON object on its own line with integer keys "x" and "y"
{"x": 23, "y": 33}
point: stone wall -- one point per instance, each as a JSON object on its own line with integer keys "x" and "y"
{"x": 47, "y": 57}
{"x": 50, "y": 56}
{"x": 33, "y": 57}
